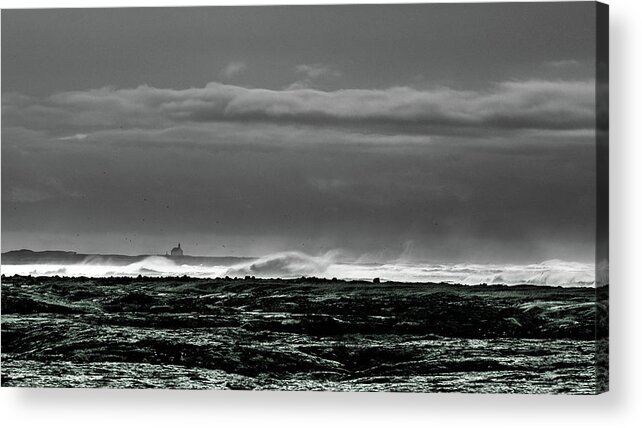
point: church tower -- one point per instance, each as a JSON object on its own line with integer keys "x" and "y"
{"x": 177, "y": 251}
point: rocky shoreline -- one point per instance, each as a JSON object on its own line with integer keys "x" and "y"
{"x": 301, "y": 334}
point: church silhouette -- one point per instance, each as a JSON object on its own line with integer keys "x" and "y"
{"x": 177, "y": 251}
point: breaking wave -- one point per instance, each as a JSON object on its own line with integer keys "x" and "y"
{"x": 155, "y": 266}
{"x": 551, "y": 272}
{"x": 285, "y": 265}
{"x": 296, "y": 264}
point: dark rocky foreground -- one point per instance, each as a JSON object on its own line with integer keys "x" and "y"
{"x": 306, "y": 334}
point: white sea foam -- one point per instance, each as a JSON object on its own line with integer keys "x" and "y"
{"x": 296, "y": 264}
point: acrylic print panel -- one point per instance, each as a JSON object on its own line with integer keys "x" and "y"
{"x": 345, "y": 198}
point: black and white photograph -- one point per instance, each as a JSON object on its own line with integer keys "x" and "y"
{"x": 351, "y": 198}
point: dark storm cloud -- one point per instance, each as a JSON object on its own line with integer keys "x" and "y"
{"x": 57, "y": 50}
{"x": 454, "y": 199}
{"x": 562, "y": 105}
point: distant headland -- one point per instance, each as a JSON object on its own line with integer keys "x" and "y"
{"x": 25, "y": 256}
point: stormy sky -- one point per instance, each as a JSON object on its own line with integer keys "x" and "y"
{"x": 421, "y": 132}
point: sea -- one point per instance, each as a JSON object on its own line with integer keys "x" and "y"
{"x": 292, "y": 264}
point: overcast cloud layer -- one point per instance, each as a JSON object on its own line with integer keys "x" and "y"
{"x": 309, "y": 151}
{"x": 533, "y": 104}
